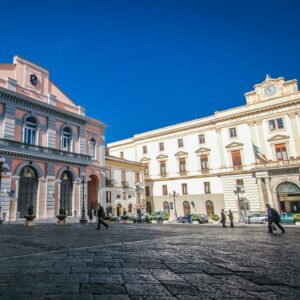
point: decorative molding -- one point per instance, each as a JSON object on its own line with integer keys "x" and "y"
{"x": 202, "y": 150}
{"x": 161, "y": 156}
{"x": 278, "y": 137}
{"x": 181, "y": 154}
{"x": 234, "y": 145}
{"x": 145, "y": 159}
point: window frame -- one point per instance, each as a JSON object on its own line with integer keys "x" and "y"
{"x": 184, "y": 189}
{"x": 180, "y": 143}
{"x": 231, "y": 130}
{"x": 207, "y": 187}
{"x": 201, "y": 138}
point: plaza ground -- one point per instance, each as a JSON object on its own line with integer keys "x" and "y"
{"x": 148, "y": 261}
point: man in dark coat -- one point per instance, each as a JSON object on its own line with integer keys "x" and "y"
{"x": 273, "y": 217}
{"x": 101, "y": 215}
{"x": 223, "y": 218}
{"x": 230, "y": 216}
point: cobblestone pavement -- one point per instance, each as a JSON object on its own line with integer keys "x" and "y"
{"x": 148, "y": 262}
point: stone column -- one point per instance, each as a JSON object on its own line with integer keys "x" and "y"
{"x": 269, "y": 192}
{"x": 295, "y": 131}
{"x": 9, "y": 121}
{"x": 41, "y": 199}
{"x": 261, "y": 194}
{"x": 57, "y": 197}
{"x": 220, "y": 148}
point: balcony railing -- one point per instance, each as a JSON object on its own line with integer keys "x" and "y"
{"x": 125, "y": 184}
{"x": 43, "y": 151}
{"x": 278, "y": 163}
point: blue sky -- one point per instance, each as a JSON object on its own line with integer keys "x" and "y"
{"x": 142, "y": 65}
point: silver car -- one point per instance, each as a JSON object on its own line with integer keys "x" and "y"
{"x": 256, "y": 218}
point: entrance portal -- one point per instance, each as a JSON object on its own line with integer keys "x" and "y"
{"x": 93, "y": 192}
{"x": 288, "y": 195}
{"x": 66, "y": 191}
{"x": 27, "y": 194}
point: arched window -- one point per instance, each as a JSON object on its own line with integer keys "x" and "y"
{"x": 166, "y": 207}
{"x": 186, "y": 208}
{"x": 148, "y": 208}
{"x": 66, "y": 139}
{"x": 210, "y": 210}
{"x": 30, "y": 131}
{"x": 92, "y": 148}
{"x": 129, "y": 208}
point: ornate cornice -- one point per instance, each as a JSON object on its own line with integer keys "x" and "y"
{"x": 33, "y": 104}
{"x": 278, "y": 137}
{"x": 181, "y": 154}
{"x": 234, "y": 145}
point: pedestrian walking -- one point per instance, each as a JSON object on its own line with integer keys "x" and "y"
{"x": 230, "y": 216}
{"x": 273, "y": 217}
{"x": 223, "y": 218}
{"x": 101, "y": 215}
{"x": 90, "y": 214}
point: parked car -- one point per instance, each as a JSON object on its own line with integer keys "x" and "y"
{"x": 185, "y": 219}
{"x": 256, "y": 218}
{"x": 287, "y": 218}
{"x": 203, "y": 218}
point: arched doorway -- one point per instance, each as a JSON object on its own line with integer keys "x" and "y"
{"x": 166, "y": 207}
{"x": 119, "y": 210}
{"x": 130, "y": 208}
{"x": 27, "y": 193}
{"x": 93, "y": 192}
{"x": 148, "y": 208}
{"x": 109, "y": 211}
{"x": 288, "y": 194}
{"x": 66, "y": 191}
{"x": 210, "y": 210}
{"x": 186, "y": 208}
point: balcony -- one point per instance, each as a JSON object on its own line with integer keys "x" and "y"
{"x": 39, "y": 152}
{"x": 109, "y": 182}
{"x": 125, "y": 184}
{"x": 182, "y": 172}
{"x": 205, "y": 171}
{"x": 270, "y": 164}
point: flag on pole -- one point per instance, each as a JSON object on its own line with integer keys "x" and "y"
{"x": 258, "y": 154}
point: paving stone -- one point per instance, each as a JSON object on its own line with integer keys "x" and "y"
{"x": 181, "y": 288}
{"x": 144, "y": 265}
{"x": 201, "y": 296}
{"x": 140, "y": 278}
{"x": 146, "y": 289}
{"x": 102, "y": 289}
{"x": 68, "y": 297}
{"x": 128, "y": 271}
{"x": 106, "y": 278}
{"x": 153, "y": 297}
{"x": 112, "y": 297}
{"x": 268, "y": 295}
{"x": 200, "y": 278}
{"x": 27, "y": 277}
{"x": 166, "y": 275}
{"x": 78, "y": 278}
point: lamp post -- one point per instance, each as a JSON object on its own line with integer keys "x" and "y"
{"x": 174, "y": 195}
{"x": 237, "y": 191}
{"x": 83, "y": 180}
{"x": 4, "y": 168}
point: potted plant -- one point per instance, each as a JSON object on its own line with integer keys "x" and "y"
{"x": 166, "y": 217}
{"x": 195, "y": 219}
{"x": 153, "y": 218}
{"x": 30, "y": 216}
{"x": 61, "y": 216}
{"x": 215, "y": 218}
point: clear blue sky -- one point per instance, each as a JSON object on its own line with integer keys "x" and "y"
{"x": 142, "y": 65}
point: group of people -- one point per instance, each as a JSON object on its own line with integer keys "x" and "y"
{"x": 273, "y": 219}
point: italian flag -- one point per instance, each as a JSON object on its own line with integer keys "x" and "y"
{"x": 258, "y": 154}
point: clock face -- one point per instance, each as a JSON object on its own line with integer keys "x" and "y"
{"x": 33, "y": 79}
{"x": 270, "y": 90}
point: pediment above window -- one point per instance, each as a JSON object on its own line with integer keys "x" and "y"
{"x": 278, "y": 137}
{"x": 145, "y": 159}
{"x": 181, "y": 154}
{"x": 161, "y": 156}
{"x": 234, "y": 145}
{"x": 202, "y": 150}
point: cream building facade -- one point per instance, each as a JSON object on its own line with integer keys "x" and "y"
{"x": 124, "y": 186}
{"x": 238, "y": 159}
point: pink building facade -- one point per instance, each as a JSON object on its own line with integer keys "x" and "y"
{"x": 48, "y": 143}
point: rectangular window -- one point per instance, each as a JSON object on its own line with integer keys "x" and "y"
{"x": 163, "y": 169}
{"x": 124, "y": 196}
{"x": 122, "y": 154}
{"x": 232, "y": 132}
{"x": 182, "y": 166}
{"x": 184, "y": 189}
{"x": 161, "y": 147}
{"x": 123, "y": 175}
{"x": 137, "y": 177}
{"x": 144, "y": 149}
{"x": 281, "y": 153}
{"x": 108, "y": 197}
{"x": 180, "y": 143}
{"x": 201, "y": 139}
{"x": 236, "y": 159}
{"x": 165, "y": 190}
{"x": 147, "y": 191}
{"x": 207, "y": 188}
{"x": 146, "y": 170}
{"x": 276, "y": 124}
{"x": 204, "y": 163}
{"x": 108, "y": 173}
{"x": 29, "y": 136}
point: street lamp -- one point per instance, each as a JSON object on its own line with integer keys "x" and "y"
{"x": 237, "y": 191}
{"x": 83, "y": 180}
{"x": 174, "y": 195}
{"x": 4, "y": 168}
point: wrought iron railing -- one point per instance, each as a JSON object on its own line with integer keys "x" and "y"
{"x": 34, "y": 149}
